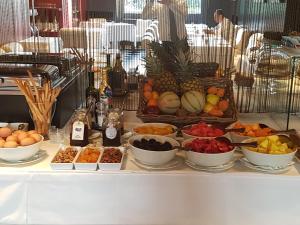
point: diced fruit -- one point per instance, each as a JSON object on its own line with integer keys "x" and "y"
{"x": 203, "y": 130}
{"x": 212, "y": 99}
{"x": 150, "y": 81}
{"x": 271, "y": 145}
{"x": 253, "y": 130}
{"x": 210, "y": 146}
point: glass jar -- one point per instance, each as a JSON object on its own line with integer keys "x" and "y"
{"x": 111, "y": 132}
{"x": 101, "y": 113}
{"x": 79, "y": 129}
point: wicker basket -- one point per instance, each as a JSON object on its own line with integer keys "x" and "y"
{"x": 229, "y": 117}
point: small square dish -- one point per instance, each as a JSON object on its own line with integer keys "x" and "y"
{"x": 64, "y": 158}
{"x": 87, "y": 159}
{"x": 112, "y": 158}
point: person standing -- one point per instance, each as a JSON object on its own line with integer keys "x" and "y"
{"x": 171, "y": 15}
{"x": 224, "y": 27}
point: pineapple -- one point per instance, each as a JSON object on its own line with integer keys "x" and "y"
{"x": 191, "y": 85}
{"x": 165, "y": 82}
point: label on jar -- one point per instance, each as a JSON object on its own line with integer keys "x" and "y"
{"x": 78, "y": 131}
{"x": 100, "y": 120}
{"x": 111, "y": 132}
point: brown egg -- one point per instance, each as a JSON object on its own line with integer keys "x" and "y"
{"x": 12, "y": 138}
{"x": 27, "y": 141}
{"x": 22, "y": 135}
{"x": 10, "y": 144}
{"x": 2, "y": 142}
{"x": 36, "y": 137}
{"x": 31, "y": 132}
{"x": 5, "y": 132}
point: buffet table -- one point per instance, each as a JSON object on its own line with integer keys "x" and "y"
{"x": 38, "y": 195}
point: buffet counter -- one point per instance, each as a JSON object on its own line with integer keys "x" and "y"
{"x": 36, "y": 194}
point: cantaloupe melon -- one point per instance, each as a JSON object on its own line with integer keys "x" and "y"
{"x": 168, "y": 102}
{"x": 193, "y": 101}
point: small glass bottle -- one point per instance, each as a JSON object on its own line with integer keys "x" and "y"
{"x": 101, "y": 112}
{"x": 79, "y": 130}
{"x": 111, "y": 132}
{"x": 119, "y": 83}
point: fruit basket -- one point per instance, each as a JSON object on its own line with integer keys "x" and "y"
{"x": 229, "y": 116}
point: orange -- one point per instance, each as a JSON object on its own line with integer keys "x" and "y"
{"x": 212, "y": 90}
{"x": 147, "y": 87}
{"x": 150, "y": 82}
{"x": 223, "y": 105}
{"x": 220, "y": 92}
{"x": 147, "y": 95}
{"x": 155, "y": 95}
{"x": 152, "y": 102}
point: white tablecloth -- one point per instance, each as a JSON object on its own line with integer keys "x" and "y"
{"x": 38, "y": 195}
{"x": 211, "y": 49}
{"x": 116, "y": 32}
{"x": 42, "y": 44}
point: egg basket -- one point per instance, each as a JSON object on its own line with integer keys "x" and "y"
{"x": 230, "y": 115}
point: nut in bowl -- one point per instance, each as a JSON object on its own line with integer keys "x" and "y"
{"x": 274, "y": 151}
{"x": 208, "y": 152}
{"x": 202, "y": 130}
{"x": 18, "y": 145}
{"x": 162, "y": 129}
{"x": 153, "y": 149}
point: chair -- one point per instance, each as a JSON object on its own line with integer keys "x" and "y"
{"x": 141, "y": 27}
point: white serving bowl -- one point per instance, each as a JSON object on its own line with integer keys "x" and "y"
{"x": 206, "y": 159}
{"x": 262, "y": 159}
{"x": 188, "y": 136}
{"x": 237, "y": 138}
{"x": 148, "y": 157}
{"x": 172, "y": 135}
{"x": 20, "y": 152}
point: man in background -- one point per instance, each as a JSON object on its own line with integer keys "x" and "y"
{"x": 224, "y": 27}
{"x": 171, "y": 15}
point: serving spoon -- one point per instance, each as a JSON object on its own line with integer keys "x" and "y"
{"x": 227, "y": 141}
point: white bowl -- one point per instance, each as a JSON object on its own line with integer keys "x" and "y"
{"x": 237, "y": 138}
{"x": 112, "y": 166}
{"x": 206, "y": 159}
{"x": 86, "y": 166}
{"x": 172, "y": 135}
{"x": 188, "y": 136}
{"x": 20, "y": 152}
{"x": 148, "y": 157}
{"x": 3, "y": 124}
{"x": 262, "y": 159}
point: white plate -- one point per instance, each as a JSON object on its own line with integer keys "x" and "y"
{"x": 174, "y": 163}
{"x": 265, "y": 169}
{"x": 39, "y": 156}
{"x": 213, "y": 169}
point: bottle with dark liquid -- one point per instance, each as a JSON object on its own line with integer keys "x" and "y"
{"x": 79, "y": 130}
{"x": 91, "y": 93}
{"x": 119, "y": 82}
{"x": 111, "y": 132}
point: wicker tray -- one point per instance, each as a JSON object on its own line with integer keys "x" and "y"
{"x": 229, "y": 117}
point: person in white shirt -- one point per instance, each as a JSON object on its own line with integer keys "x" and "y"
{"x": 224, "y": 28}
{"x": 171, "y": 15}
